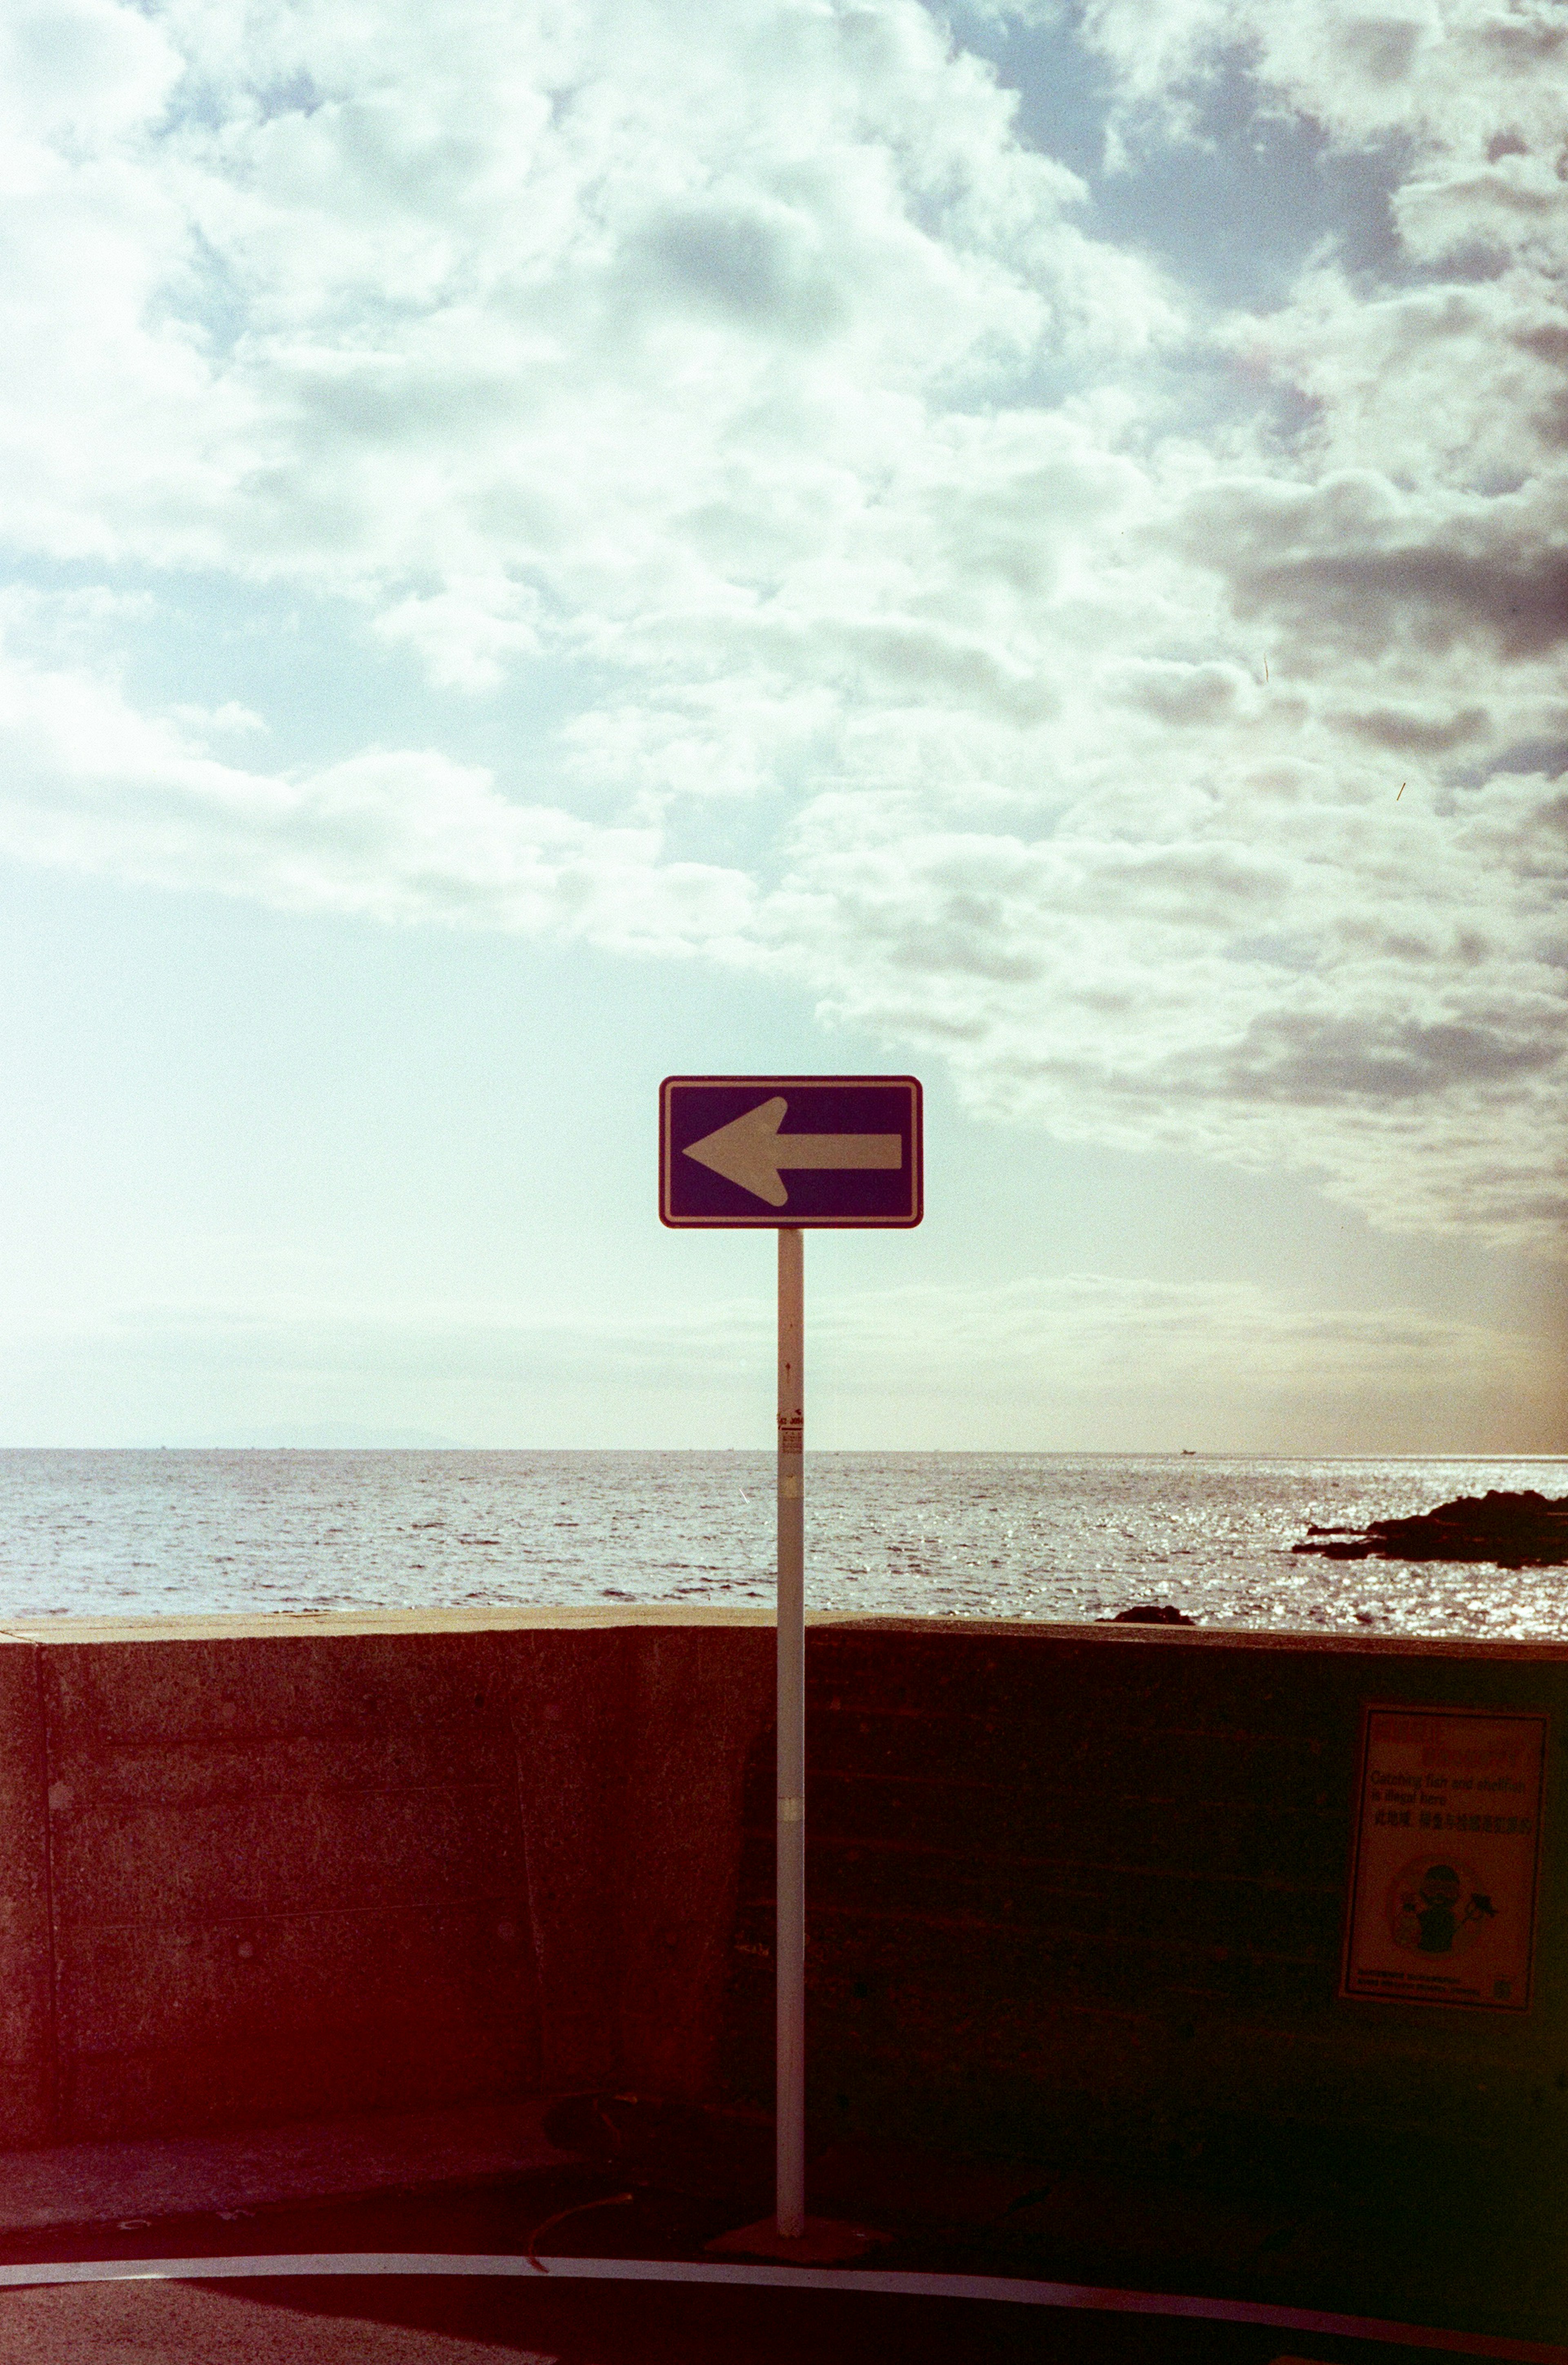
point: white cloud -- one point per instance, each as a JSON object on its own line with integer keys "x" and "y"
{"x": 1036, "y": 1363}
{"x": 204, "y": 722}
{"x": 396, "y": 835}
{"x": 768, "y": 387}
{"x": 1440, "y": 73}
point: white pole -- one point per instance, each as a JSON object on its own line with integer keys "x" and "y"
{"x": 789, "y": 1942}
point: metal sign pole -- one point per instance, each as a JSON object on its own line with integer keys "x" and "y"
{"x": 790, "y": 1941}
{"x": 851, "y": 1149}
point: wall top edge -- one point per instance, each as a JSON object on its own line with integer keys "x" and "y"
{"x": 29, "y": 1633}
{"x": 273, "y": 1625}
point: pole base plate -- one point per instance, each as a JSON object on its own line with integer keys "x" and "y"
{"x": 826, "y": 2242}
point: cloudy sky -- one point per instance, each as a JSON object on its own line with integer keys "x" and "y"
{"x": 548, "y": 545}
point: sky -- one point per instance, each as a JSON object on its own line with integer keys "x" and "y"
{"x": 545, "y": 548}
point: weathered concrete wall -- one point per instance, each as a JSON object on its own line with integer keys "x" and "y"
{"x": 27, "y": 2049}
{"x": 1083, "y": 1889}
{"x": 1068, "y": 1886}
{"x": 327, "y": 1865}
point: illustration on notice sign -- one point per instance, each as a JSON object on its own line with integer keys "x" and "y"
{"x": 746, "y": 1150}
{"x": 1443, "y": 1882}
{"x": 1437, "y": 1908}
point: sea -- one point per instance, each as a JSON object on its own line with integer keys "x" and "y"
{"x": 1057, "y": 1536}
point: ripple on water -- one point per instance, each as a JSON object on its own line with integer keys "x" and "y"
{"x": 1051, "y": 1537}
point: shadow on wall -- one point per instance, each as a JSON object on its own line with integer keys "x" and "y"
{"x": 1066, "y": 1885}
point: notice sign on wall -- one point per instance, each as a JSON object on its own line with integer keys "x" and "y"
{"x": 1443, "y": 1873}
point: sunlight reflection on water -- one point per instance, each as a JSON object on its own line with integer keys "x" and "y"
{"x": 1058, "y": 1537}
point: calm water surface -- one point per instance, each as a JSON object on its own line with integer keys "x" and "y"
{"x": 968, "y": 1535}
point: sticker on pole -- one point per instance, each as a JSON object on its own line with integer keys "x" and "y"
{"x": 1443, "y": 1881}
{"x": 739, "y": 1151}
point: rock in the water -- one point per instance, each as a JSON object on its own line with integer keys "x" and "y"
{"x": 1523, "y": 1530}
{"x": 1152, "y": 1613}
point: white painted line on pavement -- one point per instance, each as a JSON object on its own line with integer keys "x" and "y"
{"x": 898, "y": 2283}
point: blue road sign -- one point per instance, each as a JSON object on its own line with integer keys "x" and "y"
{"x": 738, "y": 1152}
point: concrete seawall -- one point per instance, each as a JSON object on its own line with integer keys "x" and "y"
{"x": 1068, "y": 1886}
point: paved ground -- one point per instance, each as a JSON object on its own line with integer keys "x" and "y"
{"x": 312, "y": 2159}
{"x": 488, "y": 2183}
{"x": 434, "y": 2324}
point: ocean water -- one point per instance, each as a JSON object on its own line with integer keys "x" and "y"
{"x": 965, "y": 1535}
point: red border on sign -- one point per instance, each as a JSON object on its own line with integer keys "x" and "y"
{"x": 1450, "y": 1712}
{"x": 769, "y": 1219}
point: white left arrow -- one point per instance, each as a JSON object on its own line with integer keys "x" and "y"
{"x": 752, "y": 1151}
